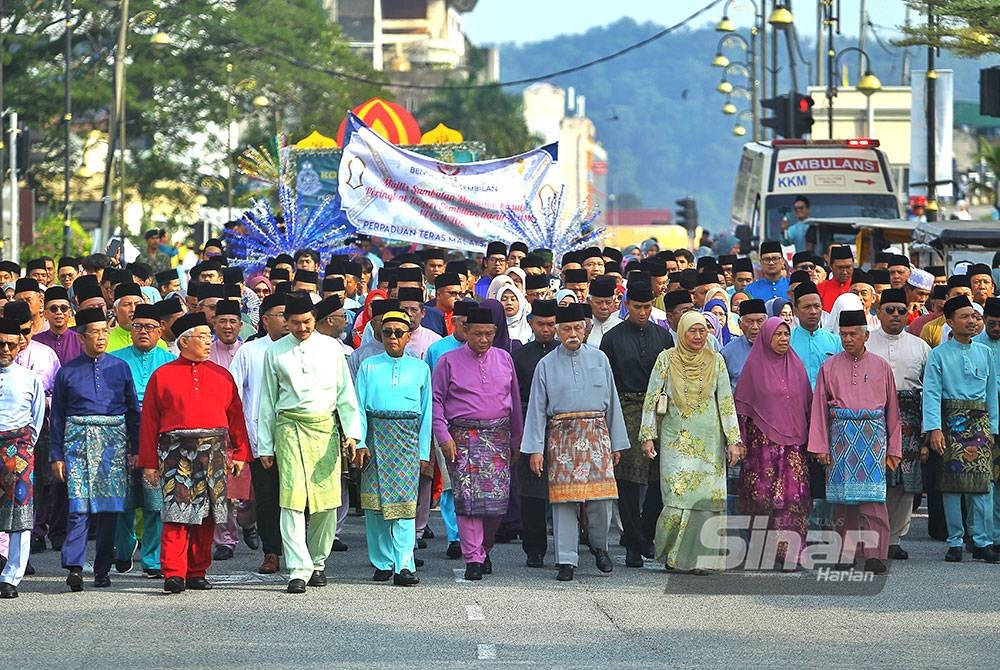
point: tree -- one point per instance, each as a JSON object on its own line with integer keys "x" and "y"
{"x": 968, "y": 28}
{"x": 485, "y": 113}
{"x": 178, "y": 96}
{"x": 49, "y": 239}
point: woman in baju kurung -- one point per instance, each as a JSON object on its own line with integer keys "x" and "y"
{"x": 773, "y": 399}
{"x": 696, "y": 426}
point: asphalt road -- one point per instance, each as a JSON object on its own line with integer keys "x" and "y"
{"x": 927, "y": 614}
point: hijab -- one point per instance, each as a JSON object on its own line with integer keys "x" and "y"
{"x": 774, "y": 390}
{"x": 520, "y": 273}
{"x": 496, "y": 284}
{"x": 517, "y": 325}
{"x": 366, "y": 315}
{"x": 775, "y": 305}
{"x": 844, "y": 302}
{"x": 259, "y": 279}
{"x": 691, "y": 373}
{"x": 562, "y": 293}
{"x": 722, "y": 330}
{"x": 502, "y": 339}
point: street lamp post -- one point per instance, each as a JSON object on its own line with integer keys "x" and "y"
{"x": 67, "y": 120}
{"x": 757, "y": 61}
{"x": 867, "y": 84}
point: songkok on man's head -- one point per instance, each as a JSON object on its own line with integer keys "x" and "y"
{"x": 169, "y": 307}
{"x": 380, "y": 307}
{"x": 955, "y": 304}
{"x": 145, "y": 311}
{"x": 447, "y": 279}
{"x": 127, "y": 289}
{"x": 899, "y": 259}
{"x": 798, "y": 277}
{"x": 279, "y": 274}
{"x": 852, "y": 317}
{"x": 518, "y": 246}
{"x": 56, "y": 293}
{"x": 613, "y": 254}
{"x": 570, "y": 313}
{"x": 88, "y": 316}
{"x": 462, "y": 307}
{"x": 9, "y": 327}
{"x": 479, "y": 315}
{"x": 462, "y": 268}
{"x": 189, "y": 321}
{"x": 529, "y": 261}
{"x": 770, "y": 247}
{"x": 602, "y": 288}
{"x": 35, "y": 264}
{"x": 351, "y": 268}
{"x": 296, "y": 306}
{"x": 742, "y": 265}
{"x": 841, "y": 253}
{"x": 892, "y": 295}
{"x": 804, "y": 289}
{"x": 639, "y": 291}
{"x": 17, "y": 309}
{"x": 334, "y": 285}
{"x": 752, "y": 306}
{"x": 959, "y": 281}
{"x": 576, "y": 276}
{"x": 410, "y": 295}
{"x": 801, "y": 257}
{"x": 655, "y": 267}
{"x": 879, "y": 277}
{"x": 68, "y": 262}
{"x": 861, "y": 277}
{"x": 165, "y": 277}
{"x": 541, "y": 308}
{"x": 206, "y": 291}
{"x": 227, "y": 308}
{"x": 675, "y": 298}
{"x": 271, "y": 301}
{"x": 979, "y": 269}
{"x": 536, "y": 282}
{"x": 496, "y": 249}
{"x": 307, "y": 276}
{"x": 409, "y": 275}
{"x": 328, "y": 306}
{"x": 992, "y": 308}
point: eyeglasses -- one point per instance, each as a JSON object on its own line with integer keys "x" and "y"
{"x": 770, "y": 259}
{"x": 450, "y": 294}
{"x": 12, "y": 346}
{"x": 203, "y": 338}
{"x": 56, "y": 309}
{"x": 144, "y": 327}
{"x": 808, "y": 267}
{"x": 891, "y": 309}
{"x": 393, "y": 332}
{"x": 26, "y": 331}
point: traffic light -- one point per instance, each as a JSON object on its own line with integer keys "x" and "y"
{"x": 803, "y": 114}
{"x": 778, "y": 121}
{"x": 687, "y": 215}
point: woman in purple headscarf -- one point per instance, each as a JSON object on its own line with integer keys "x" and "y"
{"x": 502, "y": 339}
{"x": 773, "y": 399}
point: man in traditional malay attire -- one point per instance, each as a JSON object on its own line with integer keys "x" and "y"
{"x": 94, "y": 429}
{"x": 22, "y": 412}
{"x": 753, "y": 314}
{"x": 960, "y": 415}
{"x": 60, "y": 337}
{"x": 842, "y": 264}
{"x": 532, "y": 488}
{"x": 907, "y": 355}
{"x": 991, "y": 338}
{"x": 191, "y": 417}
{"x": 305, "y": 381}
{"x": 773, "y": 282}
{"x": 478, "y": 425}
{"x": 575, "y": 439}
{"x": 602, "y": 301}
{"x": 247, "y": 370}
{"x": 812, "y": 343}
{"x": 855, "y": 430}
{"x": 143, "y": 358}
{"x": 632, "y": 347}
{"x": 394, "y": 396}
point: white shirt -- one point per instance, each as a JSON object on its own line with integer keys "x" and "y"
{"x": 247, "y": 369}
{"x": 597, "y": 334}
{"x": 906, "y": 353}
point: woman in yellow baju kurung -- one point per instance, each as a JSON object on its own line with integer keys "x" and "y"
{"x": 697, "y": 434}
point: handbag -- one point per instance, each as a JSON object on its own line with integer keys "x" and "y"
{"x": 662, "y": 402}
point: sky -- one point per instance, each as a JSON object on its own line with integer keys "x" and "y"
{"x": 496, "y": 21}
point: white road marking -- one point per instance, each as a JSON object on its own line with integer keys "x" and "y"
{"x": 486, "y": 652}
{"x": 474, "y": 613}
{"x": 460, "y": 576}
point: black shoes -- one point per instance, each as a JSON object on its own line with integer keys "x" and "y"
{"x": 603, "y": 560}
{"x": 421, "y": 543}
{"x": 954, "y": 555}
{"x": 222, "y": 553}
{"x": 251, "y": 538}
{"x": 198, "y": 584}
{"x": 633, "y": 559}
{"x": 535, "y": 561}
{"x": 418, "y": 562}
{"x": 173, "y": 585}
{"x": 473, "y": 572}
{"x": 405, "y": 578}
{"x": 987, "y": 553}
{"x": 318, "y": 578}
{"x": 29, "y": 569}
{"x": 876, "y": 566}
{"x": 74, "y": 580}
{"x": 37, "y": 544}
{"x": 897, "y": 553}
{"x": 454, "y": 550}
{"x": 3, "y": 562}
{"x": 338, "y": 545}
{"x": 487, "y": 566}
{"x": 649, "y": 551}
{"x": 428, "y": 533}
{"x": 123, "y": 565}
{"x": 382, "y": 575}
{"x": 7, "y": 590}
{"x": 102, "y": 581}
{"x": 565, "y": 572}
{"x": 297, "y": 586}
{"x": 152, "y": 573}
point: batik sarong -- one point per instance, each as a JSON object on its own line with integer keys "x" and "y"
{"x": 578, "y": 455}
{"x": 857, "y": 451}
{"x": 480, "y": 473}
{"x": 97, "y": 470}
{"x": 967, "y": 463}
{"x": 909, "y": 473}
{"x": 193, "y": 475}
{"x": 391, "y": 479}
{"x": 17, "y": 491}
{"x": 307, "y": 450}
{"x": 634, "y": 465}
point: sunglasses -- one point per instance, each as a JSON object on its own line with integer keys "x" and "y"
{"x": 895, "y": 309}
{"x": 26, "y": 331}
{"x": 12, "y": 346}
{"x": 393, "y": 332}
{"x": 56, "y": 309}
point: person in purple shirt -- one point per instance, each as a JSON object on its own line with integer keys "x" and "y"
{"x": 478, "y": 423}
{"x": 60, "y": 338}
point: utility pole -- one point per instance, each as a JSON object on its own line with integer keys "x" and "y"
{"x": 15, "y": 198}
{"x": 67, "y": 121}
{"x": 117, "y": 106}
{"x": 3, "y": 237}
{"x": 931, "y": 102}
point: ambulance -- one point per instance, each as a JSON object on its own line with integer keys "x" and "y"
{"x": 841, "y": 178}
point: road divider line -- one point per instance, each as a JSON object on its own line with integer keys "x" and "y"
{"x": 486, "y": 652}
{"x": 474, "y": 613}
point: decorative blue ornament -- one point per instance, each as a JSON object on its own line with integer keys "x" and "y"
{"x": 548, "y": 226}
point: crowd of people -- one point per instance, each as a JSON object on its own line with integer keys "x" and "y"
{"x": 645, "y": 392}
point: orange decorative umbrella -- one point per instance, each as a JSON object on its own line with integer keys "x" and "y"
{"x": 388, "y": 119}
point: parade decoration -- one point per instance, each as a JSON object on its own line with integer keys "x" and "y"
{"x": 387, "y": 119}
{"x": 546, "y": 222}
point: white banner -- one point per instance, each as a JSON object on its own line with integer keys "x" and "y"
{"x": 943, "y": 116}
{"x": 393, "y": 193}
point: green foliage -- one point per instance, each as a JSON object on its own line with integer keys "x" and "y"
{"x": 487, "y": 115}
{"x": 968, "y": 28}
{"x": 49, "y": 239}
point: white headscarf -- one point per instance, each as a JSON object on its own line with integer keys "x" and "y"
{"x": 517, "y": 325}
{"x": 844, "y": 303}
{"x": 521, "y": 275}
{"x": 493, "y": 292}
